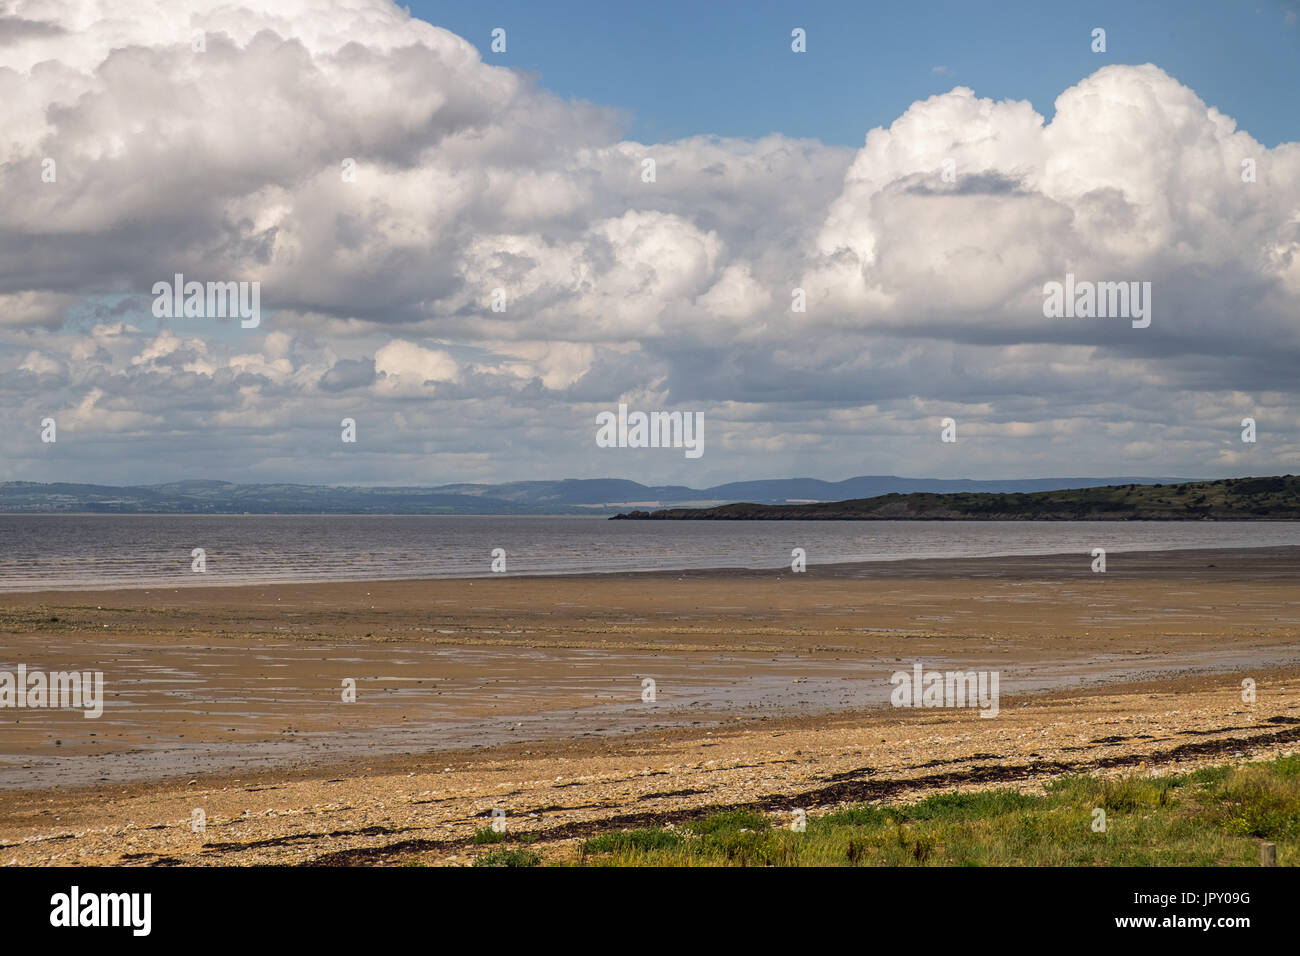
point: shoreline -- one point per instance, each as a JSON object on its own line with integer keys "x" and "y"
{"x": 943, "y": 564}
{"x": 225, "y": 674}
{"x": 425, "y": 809}
{"x": 168, "y": 761}
{"x": 544, "y": 673}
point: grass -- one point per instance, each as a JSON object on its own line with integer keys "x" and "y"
{"x": 509, "y": 858}
{"x": 1216, "y": 816}
{"x": 488, "y": 835}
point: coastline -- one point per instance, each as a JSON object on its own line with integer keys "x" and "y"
{"x": 216, "y": 684}
{"x": 426, "y": 809}
{"x": 918, "y": 565}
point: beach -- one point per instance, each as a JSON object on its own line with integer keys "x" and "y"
{"x": 770, "y": 689}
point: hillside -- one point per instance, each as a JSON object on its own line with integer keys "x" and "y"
{"x": 219, "y": 497}
{"x": 557, "y": 497}
{"x": 1234, "y": 499}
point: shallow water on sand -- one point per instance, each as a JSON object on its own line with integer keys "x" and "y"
{"x": 196, "y": 711}
{"x": 98, "y": 551}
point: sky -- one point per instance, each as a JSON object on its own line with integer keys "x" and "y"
{"x": 466, "y": 252}
{"x": 719, "y": 68}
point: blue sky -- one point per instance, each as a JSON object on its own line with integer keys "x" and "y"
{"x": 725, "y": 68}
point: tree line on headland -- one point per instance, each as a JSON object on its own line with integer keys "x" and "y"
{"x": 1228, "y": 499}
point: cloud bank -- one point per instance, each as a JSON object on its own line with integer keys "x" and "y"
{"x": 387, "y": 187}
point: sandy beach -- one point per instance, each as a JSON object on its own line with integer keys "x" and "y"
{"x": 771, "y": 690}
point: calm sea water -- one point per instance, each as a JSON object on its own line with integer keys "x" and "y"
{"x": 73, "y": 551}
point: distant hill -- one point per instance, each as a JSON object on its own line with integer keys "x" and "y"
{"x": 218, "y": 497}
{"x": 1231, "y": 498}
{"x": 792, "y": 490}
{"x": 568, "y": 496}
{"x": 591, "y": 492}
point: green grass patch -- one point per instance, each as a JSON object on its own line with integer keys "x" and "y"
{"x": 631, "y": 840}
{"x": 509, "y": 858}
{"x": 1215, "y": 816}
{"x": 488, "y": 835}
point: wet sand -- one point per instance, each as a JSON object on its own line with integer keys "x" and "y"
{"x": 425, "y": 808}
{"x": 203, "y": 683}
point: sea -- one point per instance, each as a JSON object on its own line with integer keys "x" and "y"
{"x": 143, "y": 551}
